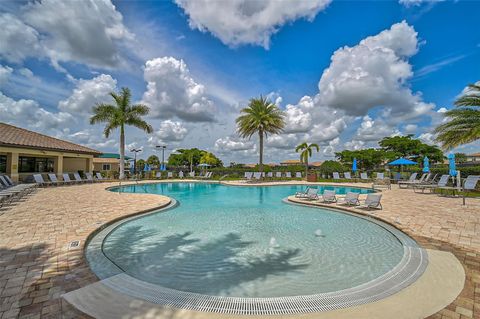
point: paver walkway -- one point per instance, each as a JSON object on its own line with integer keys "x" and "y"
{"x": 37, "y": 265}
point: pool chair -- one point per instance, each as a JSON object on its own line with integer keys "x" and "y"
{"x": 364, "y": 177}
{"x": 278, "y": 174}
{"x": 470, "y": 184}
{"x": 18, "y": 190}
{"x": 169, "y": 175}
{"x": 191, "y": 174}
{"x": 298, "y": 175}
{"x": 78, "y": 179}
{"x": 248, "y": 175}
{"x": 288, "y": 175}
{"x": 336, "y": 175}
{"x": 257, "y": 176}
{"x": 40, "y": 181}
{"x": 30, "y": 187}
{"x": 270, "y": 175}
{"x": 350, "y": 199}
{"x": 441, "y": 183}
{"x": 311, "y": 194}
{"x": 380, "y": 176}
{"x": 411, "y": 180}
{"x": 53, "y": 178}
{"x": 372, "y": 201}
{"x": 208, "y": 175}
{"x": 347, "y": 175}
{"x": 302, "y": 194}
{"x": 329, "y": 196}
{"x": 89, "y": 177}
{"x": 67, "y": 180}
{"x": 180, "y": 174}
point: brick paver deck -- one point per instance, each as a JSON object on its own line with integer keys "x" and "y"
{"x": 37, "y": 265}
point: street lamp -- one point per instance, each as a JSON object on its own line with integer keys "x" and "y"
{"x": 163, "y": 147}
{"x": 135, "y": 151}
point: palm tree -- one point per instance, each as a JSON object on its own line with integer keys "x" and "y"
{"x": 306, "y": 152}
{"x": 263, "y": 117}
{"x": 464, "y": 121}
{"x": 119, "y": 115}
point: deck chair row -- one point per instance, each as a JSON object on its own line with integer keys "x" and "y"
{"x": 350, "y": 199}
{"x": 10, "y": 191}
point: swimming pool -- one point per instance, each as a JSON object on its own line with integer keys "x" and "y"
{"x": 245, "y": 243}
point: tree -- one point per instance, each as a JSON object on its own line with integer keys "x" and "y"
{"x": 260, "y": 117}
{"x": 210, "y": 159}
{"x": 306, "y": 151}
{"x": 153, "y": 160}
{"x": 193, "y": 157}
{"x": 463, "y": 124}
{"x": 367, "y": 159}
{"x": 140, "y": 165}
{"x": 328, "y": 167}
{"x": 460, "y": 157}
{"x": 119, "y": 115}
{"x": 407, "y": 146}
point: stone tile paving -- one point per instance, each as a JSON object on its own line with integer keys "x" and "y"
{"x": 37, "y": 266}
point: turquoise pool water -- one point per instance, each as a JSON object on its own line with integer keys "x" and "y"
{"x": 246, "y": 242}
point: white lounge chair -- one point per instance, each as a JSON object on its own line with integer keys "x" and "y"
{"x": 53, "y": 179}
{"x": 169, "y": 175}
{"x": 248, "y": 175}
{"x": 350, "y": 199}
{"x": 288, "y": 175}
{"x": 7, "y": 189}
{"x": 10, "y": 183}
{"x": 441, "y": 183}
{"x": 278, "y": 174}
{"x": 191, "y": 174}
{"x": 89, "y": 177}
{"x": 40, "y": 181}
{"x": 411, "y": 180}
{"x": 99, "y": 177}
{"x": 158, "y": 175}
{"x": 470, "y": 184}
{"x": 67, "y": 180}
{"x": 257, "y": 176}
{"x": 364, "y": 177}
{"x": 298, "y": 175}
{"x": 329, "y": 196}
{"x": 372, "y": 201}
{"x": 347, "y": 175}
{"x": 380, "y": 176}
{"x": 302, "y": 194}
{"x": 311, "y": 194}
{"x": 180, "y": 174}
{"x": 336, "y": 175}
{"x": 270, "y": 174}
{"x": 78, "y": 179}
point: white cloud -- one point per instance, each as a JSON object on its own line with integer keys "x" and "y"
{"x": 168, "y": 131}
{"x": 237, "y": 22}
{"x": 172, "y": 92}
{"x": 283, "y": 141}
{"x": 88, "y": 31}
{"x": 231, "y": 143}
{"x": 87, "y": 93}
{"x": 5, "y": 72}
{"x": 412, "y": 3}
{"x": 373, "y": 130}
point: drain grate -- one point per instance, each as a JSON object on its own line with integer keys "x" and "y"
{"x": 74, "y": 244}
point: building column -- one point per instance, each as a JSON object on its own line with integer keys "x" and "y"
{"x": 12, "y": 166}
{"x": 89, "y": 165}
{"x": 58, "y": 165}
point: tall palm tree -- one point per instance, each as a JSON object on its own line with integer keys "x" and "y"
{"x": 306, "y": 151}
{"x": 119, "y": 115}
{"x": 463, "y": 125}
{"x": 260, "y": 117}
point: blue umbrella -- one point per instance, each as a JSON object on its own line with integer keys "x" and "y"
{"x": 163, "y": 167}
{"x": 402, "y": 161}
{"x": 146, "y": 168}
{"x": 451, "y": 165}
{"x": 354, "y": 165}
{"x": 426, "y": 165}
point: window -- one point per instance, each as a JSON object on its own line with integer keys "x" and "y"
{"x": 106, "y": 167}
{"x": 35, "y": 165}
{"x": 3, "y": 164}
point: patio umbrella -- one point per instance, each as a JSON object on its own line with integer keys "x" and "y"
{"x": 426, "y": 165}
{"x": 146, "y": 168}
{"x": 354, "y": 165}
{"x": 451, "y": 165}
{"x": 402, "y": 161}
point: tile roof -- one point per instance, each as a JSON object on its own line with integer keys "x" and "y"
{"x": 18, "y": 137}
{"x": 474, "y": 155}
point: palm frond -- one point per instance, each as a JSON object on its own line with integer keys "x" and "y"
{"x": 102, "y": 113}
{"x": 139, "y": 123}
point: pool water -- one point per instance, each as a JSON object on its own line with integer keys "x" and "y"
{"x": 245, "y": 242}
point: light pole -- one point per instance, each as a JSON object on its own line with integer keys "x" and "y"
{"x": 135, "y": 151}
{"x": 163, "y": 147}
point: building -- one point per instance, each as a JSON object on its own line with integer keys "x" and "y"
{"x": 291, "y": 162}
{"x": 24, "y": 153}
{"x": 475, "y": 157}
{"x": 108, "y": 162}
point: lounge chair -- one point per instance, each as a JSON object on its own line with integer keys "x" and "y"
{"x": 411, "y": 180}
{"x": 288, "y": 175}
{"x": 382, "y": 181}
{"x": 441, "y": 183}
{"x": 180, "y": 174}
{"x": 257, "y": 176}
{"x": 364, "y": 177}
{"x": 347, "y": 175}
{"x": 350, "y": 199}
{"x": 208, "y": 175}
{"x": 311, "y": 194}
{"x": 40, "y": 181}
{"x": 169, "y": 175}
{"x": 372, "y": 201}
{"x": 302, "y": 194}
{"x": 248, "y": 175}
{"x": 191, "y": 174}
{"x": 298, "y": 175}
{"x": 470, "y": 184}
{"x": 336, "y": 175}
{"x": 8, "y": 189}
{"x": 67, "y": 180}
{"x": 380, "y": 176}
{"x": 158, "y": 175}
{"x": 278, "y": 174}
{"x": 78, "y": 179}
{"x": 89, "y": 177}
{"x": 270, "y": 175}
{"x": 329, "y": 196}
{"x": 54, "y": 180}
{"x": 30, "y": 187}
{"x": 100, "y": 177}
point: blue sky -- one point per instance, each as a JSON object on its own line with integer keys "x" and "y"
{"x": 346, "y": 72}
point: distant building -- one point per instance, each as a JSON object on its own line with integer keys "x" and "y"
{"x": 291, "y": 162}
{"x": 475, "y": 157}
{"x": 108, "y": 162}
{"x": 315, "y": 164}
{"x": 24, "y": 153}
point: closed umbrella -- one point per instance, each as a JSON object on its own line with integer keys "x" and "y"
{"x": 354, "y": 165}
{"x": 426, "y": 165}
{"x": 451, "y": 165}
{"x": 146, "y": 168}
